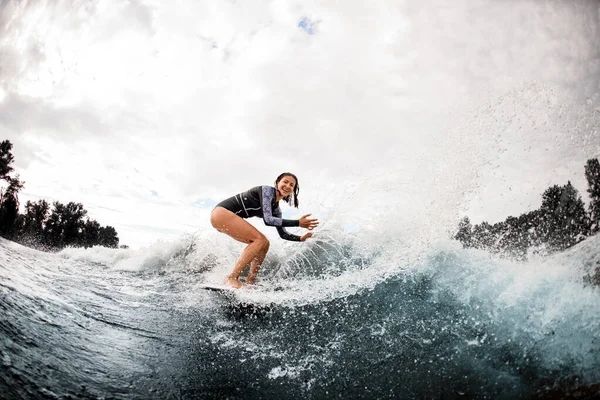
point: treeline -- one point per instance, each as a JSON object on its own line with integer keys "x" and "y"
{"x": 43, "y": 226}
{"x": 561, "y": 222}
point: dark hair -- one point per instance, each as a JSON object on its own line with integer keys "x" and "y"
{"x": 292, "y": 199}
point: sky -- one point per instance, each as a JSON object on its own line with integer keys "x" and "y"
{"x": 151, "y": 112}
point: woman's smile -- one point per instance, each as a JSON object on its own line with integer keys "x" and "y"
{"x": 286, "y": 186}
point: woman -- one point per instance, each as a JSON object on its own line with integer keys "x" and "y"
{"x": 260, "y": 201}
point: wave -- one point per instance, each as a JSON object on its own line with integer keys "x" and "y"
{"x": 379, "y": 321}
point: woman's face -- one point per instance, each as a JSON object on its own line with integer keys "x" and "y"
{"x": 286, "y": 186}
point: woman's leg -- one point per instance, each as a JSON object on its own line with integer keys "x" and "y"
{"x": 256, "y": 263}
{"x": 227, "y": 222}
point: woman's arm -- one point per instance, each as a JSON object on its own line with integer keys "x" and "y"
{"x": 271, "y": 218}
{"x": 284, "y": 234}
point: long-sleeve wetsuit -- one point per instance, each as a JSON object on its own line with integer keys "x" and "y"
{"x": 260, "y": 201}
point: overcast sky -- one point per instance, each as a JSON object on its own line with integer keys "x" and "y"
{"x": 150, "y": 112}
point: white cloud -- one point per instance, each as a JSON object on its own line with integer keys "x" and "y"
{"x": 108, "y": 102}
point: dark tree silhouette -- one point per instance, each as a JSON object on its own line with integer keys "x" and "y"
{"x": 514, "y": 238}
{"x": 6, "y": 159}
{"x": 64, "y": 225}
{"x": 91, "y": 234}
{"x": 483, "y": 237}
{"x": 563, "y": 217}
{"x": 72, "y": 220}
{"x": 108, "y": 237}
{"x": 34, "y": 217}
{"x": 560, "y": 222}
{"x": 592, "y": 174}
{"x": 465, "y": 232}
{"x": 9, "y": 206}
{"x": 9, "y": 196}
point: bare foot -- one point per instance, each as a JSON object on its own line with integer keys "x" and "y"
{"x": 250, "y": 279}
{"x": 233, "y": 282}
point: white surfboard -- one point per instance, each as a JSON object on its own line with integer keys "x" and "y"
{"x": 217, "y": 288}
{"x": 228, "y": 289}
{"x": 236, "y": 305}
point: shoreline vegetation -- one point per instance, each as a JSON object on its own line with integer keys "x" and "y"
{"x": 561, "y": 222}
{"x": 42, "y": 226}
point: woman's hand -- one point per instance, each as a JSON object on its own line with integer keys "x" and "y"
{"x": 308, "y": 223}
{"x": 306, "y": 236}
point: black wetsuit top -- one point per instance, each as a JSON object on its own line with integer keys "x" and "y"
{"x": 260, "y": 201}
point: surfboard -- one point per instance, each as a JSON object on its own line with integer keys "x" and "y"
{"x": 236, "y": 306}
{"x": 217, "y": 288}
{"x": 228, "y": 289}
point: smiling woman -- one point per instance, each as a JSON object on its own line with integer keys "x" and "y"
{"x": 260, "y": 201}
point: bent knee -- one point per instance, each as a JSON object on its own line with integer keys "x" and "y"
{"x": 262, "y": 240}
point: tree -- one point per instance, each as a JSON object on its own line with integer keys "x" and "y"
{"x": 73, "y": 223}
{"x": 592, "y": 174}
{"x": 53, "y": 230}
{"x": 108, "y": 237}
{"x": 514, "y": 238}
{"x": 32, "y": 226}
{"x": 563, "y": 217}
{"x": 6, "y": 158}
{"x": 530, "y": 222}
{"x": 9, "y": 197}
{"x": 464, "y": 232}
{"x": 65, "y": 225}
{"x": 9, "y": 206}
{"x": 91, "y": 234}
{"x": 482, "y": 237}
{"x": 560, "y": 222}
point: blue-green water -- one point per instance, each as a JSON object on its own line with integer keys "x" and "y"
{"x": 453, "y": 324}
